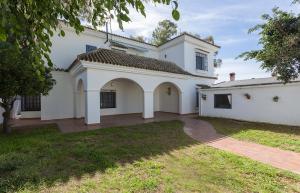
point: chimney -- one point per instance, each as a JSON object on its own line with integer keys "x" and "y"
{"x": 232, "y": 76}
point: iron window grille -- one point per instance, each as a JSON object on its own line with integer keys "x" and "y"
{"x": 107, "y": 99}
{"x": 31, "y": 103}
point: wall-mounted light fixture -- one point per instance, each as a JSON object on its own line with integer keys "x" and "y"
{"x": 275, "y": 98}
{"x": 203, "y": 96}
{"x": 248, "y": 96}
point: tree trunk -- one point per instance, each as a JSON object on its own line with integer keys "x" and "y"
{"x": 7, "y": 105}
{"x": 5, "y": 124}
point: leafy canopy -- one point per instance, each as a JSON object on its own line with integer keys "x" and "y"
{"x": 165, "y": 30}
{"x": 280, "y": 41}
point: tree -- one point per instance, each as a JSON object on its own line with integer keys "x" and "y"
{"x": 280, "y": 41}
{"x": 165, "y": 30}
{"x": 139, "y": 38}
{"x": 25, "y": 39}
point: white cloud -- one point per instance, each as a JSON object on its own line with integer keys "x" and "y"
{"x": 141, "y": 25}
{"x": 232, "y": 40}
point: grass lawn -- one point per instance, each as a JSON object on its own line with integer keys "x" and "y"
{"x": 281, "y": 136}
{"x": 153, "y": 157}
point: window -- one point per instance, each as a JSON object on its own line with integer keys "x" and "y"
{"x": 89, "y": 48}
{"x": 201, "y": 61}
{"x": 223, "y": 101}
{"x": 107, "y": 99}
{"x": 31, "y": 103}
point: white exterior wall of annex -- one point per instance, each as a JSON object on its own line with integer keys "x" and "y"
{"x": 261, "y": 107}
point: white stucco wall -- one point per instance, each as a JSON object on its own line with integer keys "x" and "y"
{"x": 164, "y": 101}
{"x": 174, "y": 53}
{"x": 129, "y": 97}
{"x": 261, "y": 107}
{"x": 65, "y": 49}
{"x": 59, "y": 103}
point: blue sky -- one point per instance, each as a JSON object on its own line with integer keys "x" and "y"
{"x": 227, "y": 20}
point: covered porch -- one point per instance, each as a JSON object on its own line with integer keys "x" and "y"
{"x": 77, "y": 125}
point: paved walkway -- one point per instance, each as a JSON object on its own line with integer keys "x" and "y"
{"x": 204, "y": 132}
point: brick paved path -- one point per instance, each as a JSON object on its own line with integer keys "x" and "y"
{"x": 204, "y": 132}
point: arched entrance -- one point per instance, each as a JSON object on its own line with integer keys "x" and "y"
{"x": 121, "y": 96}
{"x": 167, "y": 98}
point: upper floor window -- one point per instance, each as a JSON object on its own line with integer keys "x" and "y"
{"x": 89, "y": 48}
{"x": 201, "y": 61}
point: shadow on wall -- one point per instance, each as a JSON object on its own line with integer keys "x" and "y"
{"x": 44, "y": 156}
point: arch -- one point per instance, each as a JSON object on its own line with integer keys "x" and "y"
{"x": 80, "y": 99}
{"x": 167, "y": 98}
{"x": 121, "y": 78}
{"x": 121, "y": 96}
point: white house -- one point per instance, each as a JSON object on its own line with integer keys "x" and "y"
{"x": 260, "y": 100}
{"x": 99, "y": 74}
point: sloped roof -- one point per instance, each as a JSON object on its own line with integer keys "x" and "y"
{"x": 123, "y": 59}
{"x": 250, "y": 82}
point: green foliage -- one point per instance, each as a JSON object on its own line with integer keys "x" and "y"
{"x": 165, "y": 30}
{"x": 25, "y": 38}
{"x": 280, "y": 41}
{"x": 280, "y": 136}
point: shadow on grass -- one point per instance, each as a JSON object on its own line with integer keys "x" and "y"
{"x": 44, "y": 156}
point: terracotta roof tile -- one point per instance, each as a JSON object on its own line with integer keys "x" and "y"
{"x": 123, "y": 59}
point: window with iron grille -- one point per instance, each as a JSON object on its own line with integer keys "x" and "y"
{"x": 31, "y": 103}
{"x": 223, "y": 101}
{"x": 107, "y": 99}
{"x": 201, "y": 61}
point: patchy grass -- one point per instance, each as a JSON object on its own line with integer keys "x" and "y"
{"x": 281, "y": 136}
{"x": 153, "y": 157}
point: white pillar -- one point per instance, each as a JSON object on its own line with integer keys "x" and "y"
{"x": 148, "y": 105}
{"x": 92, "y": 106}
{"x": 77, "y": 102}
{"x": 180, "y": 103}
